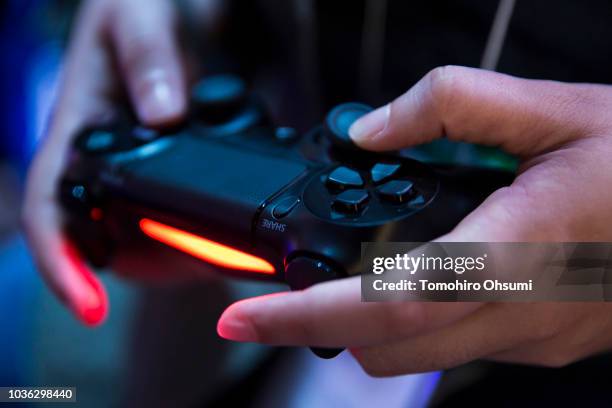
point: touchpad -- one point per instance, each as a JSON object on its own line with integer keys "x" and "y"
{"x": 206, "y": 171}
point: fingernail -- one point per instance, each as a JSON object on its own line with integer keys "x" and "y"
{"x": 233, "y": 327}
{"x": 370, "y": 125}
{"x": 159, "y": 101}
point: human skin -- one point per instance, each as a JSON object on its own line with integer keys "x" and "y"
{"x": 563, "y": 135}
{"x": 115, "y": 49}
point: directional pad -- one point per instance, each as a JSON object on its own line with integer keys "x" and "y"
{"x": 396, "y": 191}
{"x": 369, "y": 190}
{"x": 351, "y": 201}
{"x": 343, "y": 178}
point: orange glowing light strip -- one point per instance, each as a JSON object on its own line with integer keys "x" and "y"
{"x": 205, "y": 249}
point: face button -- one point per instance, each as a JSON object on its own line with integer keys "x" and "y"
{"x": 99, "y": 141}
{"x": 396, "y": 191}
{"x": 382, "y": 171}
{"x": 351, "y": 201}
{"x": 343, "y": 178}
{"x": 285, "y": 206}
{"x": 418, "y": 201}
{"x": 340, "y": 119}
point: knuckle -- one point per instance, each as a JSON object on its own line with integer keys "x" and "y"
{"x": 443, "y": 86}
{"x": 581, "y": 105}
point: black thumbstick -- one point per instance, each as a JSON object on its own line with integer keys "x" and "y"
{"x": 217, "y": 98}
{"x": 339, "y": 121}
{"x": 303, "y": 272}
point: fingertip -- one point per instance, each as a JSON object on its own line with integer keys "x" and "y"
{"x": 86, "y": 295}
{"x": 250, "y": 319}
{"x": 94, "y": 311}
{"x": 160, "y": 99}
{"x": 92, "y": 314}
{"x": 233, "y": 325}
{"x": 366, "y": 129}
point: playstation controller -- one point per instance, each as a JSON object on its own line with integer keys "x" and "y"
{"x": 228, "y": 189}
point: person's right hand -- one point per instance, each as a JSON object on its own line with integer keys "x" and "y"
{"x": 563, "y": 134}
{"x": 115, "y": 43}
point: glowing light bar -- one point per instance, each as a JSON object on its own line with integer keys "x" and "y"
{"x": 205, "y": 249}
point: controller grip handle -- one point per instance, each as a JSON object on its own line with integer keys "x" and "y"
{"x": 303, "y": 272}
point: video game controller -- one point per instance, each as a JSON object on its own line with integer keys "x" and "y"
{"x": 228, "y": 188}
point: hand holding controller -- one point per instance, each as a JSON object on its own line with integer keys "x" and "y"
{"x": 256, "y": 201}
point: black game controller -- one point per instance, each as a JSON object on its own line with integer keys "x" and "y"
{"x": 258, "y": 201}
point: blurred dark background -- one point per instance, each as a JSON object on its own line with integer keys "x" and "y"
{"x": 31, "y": 39}
{"x": 31, "y": 34}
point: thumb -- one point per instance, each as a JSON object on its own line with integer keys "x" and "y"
{"x": 522, "y": 116}
{"x": 529, "y": 118}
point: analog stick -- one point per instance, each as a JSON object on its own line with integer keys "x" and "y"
{"x": 217, "y": 98}
{"x": 339, "y": 121}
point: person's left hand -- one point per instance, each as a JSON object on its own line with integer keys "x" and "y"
{"x": 563, "y": 133}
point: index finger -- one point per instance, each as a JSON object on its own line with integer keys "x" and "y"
{"x": 83, "y": 96}
{"x": 332, "y": 314}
